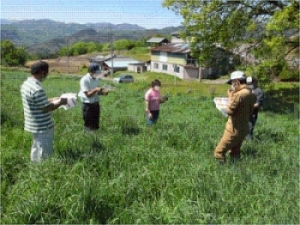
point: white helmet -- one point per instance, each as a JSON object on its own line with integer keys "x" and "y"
{"x": 249, "y": 80}
{"x": 236, "y": 75}
{"x": 252, "y": 80}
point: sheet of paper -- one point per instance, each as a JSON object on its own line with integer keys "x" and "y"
{"x": 107, "y": 87}
{"x": 221, "y": 104}
{"x": 71, "y": 100}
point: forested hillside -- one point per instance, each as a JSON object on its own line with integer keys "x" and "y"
{"x": 47, "y": 35}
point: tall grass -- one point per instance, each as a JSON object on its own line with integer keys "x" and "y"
{"x": 127, "y": 173}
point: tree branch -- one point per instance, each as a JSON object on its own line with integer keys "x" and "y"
{"x": 278, "y": 4}
{"x": 290, "y": 50}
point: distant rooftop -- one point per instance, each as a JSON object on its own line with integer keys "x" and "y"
{"x": 157, "y": 40}
{"x": 120, "y": 62}
{"x": 101, "y": 58}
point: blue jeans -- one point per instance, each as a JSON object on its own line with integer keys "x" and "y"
{"x": 153, "y": 120}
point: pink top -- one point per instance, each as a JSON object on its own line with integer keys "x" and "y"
{"x": 153, "y": 97}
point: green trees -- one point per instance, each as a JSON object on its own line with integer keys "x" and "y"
{"x": 268, "y": 26}
{"x": 80, "y": 48}
{"x": 15, "y": 56}
{"x": 12, "y": 56}
{"x": 122, "y": 44}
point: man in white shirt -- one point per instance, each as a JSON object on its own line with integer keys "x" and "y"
{"x": 89, "y": 93}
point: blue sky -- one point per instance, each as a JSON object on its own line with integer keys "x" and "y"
{"x": 146, "y": 13}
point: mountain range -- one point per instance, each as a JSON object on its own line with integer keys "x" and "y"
{"x": 48, "y": 36}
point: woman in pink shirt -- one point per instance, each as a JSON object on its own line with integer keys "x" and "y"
{"x": 153, "y": 99}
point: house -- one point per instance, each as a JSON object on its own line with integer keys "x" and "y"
{"x": 175, "y": 38}
{"x": 156, "y": 41}
{"x": 118, "y": 63}
{"x": 175, "y": 59}
{"x": 137, "y": 67}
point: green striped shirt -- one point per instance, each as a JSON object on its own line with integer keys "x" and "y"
{"x": 34, "y": 100}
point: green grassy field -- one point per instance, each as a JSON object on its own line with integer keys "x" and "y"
{"x": 126, "y": 173}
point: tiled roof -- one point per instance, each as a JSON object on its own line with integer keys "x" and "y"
{"x": 174, "y": 48}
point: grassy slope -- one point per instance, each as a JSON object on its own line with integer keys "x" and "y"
{"x": 126, "y": 173}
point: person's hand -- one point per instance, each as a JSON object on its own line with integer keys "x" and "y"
{"x": 150, "y": 115}
{"x": 55, "y": 99}
{"x": 99, "y": 90}
{"x": 230, "y": 93}
{"x": 63, "y": 101}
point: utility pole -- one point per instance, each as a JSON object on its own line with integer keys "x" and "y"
{"x": 112, "y": 52}
{"x": 67, "y": 55}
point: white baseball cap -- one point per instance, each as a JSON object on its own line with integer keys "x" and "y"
{"x": 236, "y": 75}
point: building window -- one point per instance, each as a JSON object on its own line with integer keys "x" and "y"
{"x": 155, "y": 65}
{"x": 190, "y": 61}
{"x": 165, "y": 67}
{"x": 176, "y": 69}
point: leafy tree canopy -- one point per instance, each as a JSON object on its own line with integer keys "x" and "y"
{"x": 124, "y": 44}
{"x": 270, "y": 26}
{"x": 80, "y": 48}
{"x": 12, "y": 56}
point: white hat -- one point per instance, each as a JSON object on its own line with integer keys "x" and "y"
{"x": 236, "y": 75}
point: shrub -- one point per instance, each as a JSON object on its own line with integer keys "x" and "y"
{"x": 289, "y": 75}
{"x": 139, "y": 50}
{"x": 268, "y": 70}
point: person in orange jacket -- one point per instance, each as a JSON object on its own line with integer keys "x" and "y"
{"x": 239, "y": 110}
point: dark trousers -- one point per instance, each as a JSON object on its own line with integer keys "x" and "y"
{"x": 91, "y": 115}
{"x": 153, "y": 120}
{"x": 252, "y": 122}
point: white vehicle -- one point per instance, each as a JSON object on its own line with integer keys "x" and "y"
{"x": 124, "y": 78}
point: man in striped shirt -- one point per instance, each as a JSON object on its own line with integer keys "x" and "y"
{"x": 37, "y": 110}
